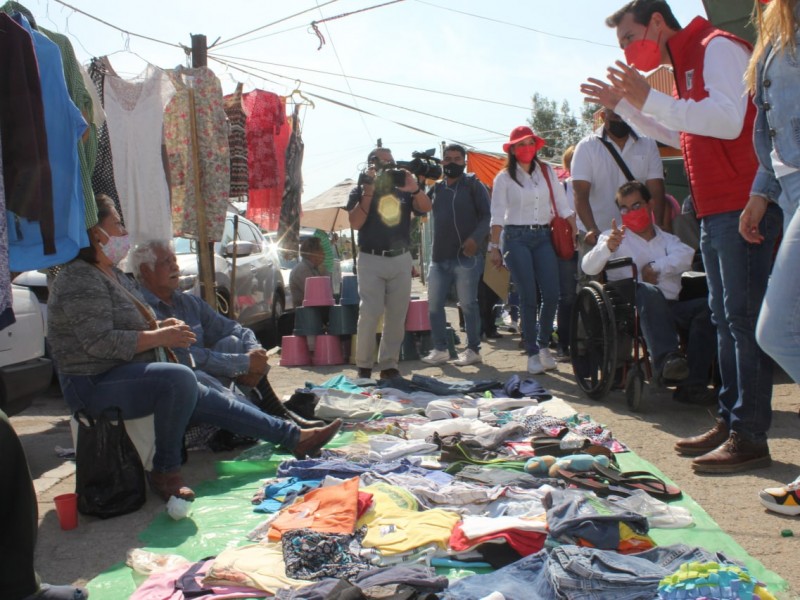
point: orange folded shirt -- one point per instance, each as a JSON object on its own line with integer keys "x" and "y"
{"x": 331, "y": 509}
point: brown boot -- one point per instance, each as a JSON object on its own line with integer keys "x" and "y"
{"x": 170, "y": 484}
{"x": 706, "y": 442}
{"x": 312, "y": 440}
{"x": 736, "y": 454}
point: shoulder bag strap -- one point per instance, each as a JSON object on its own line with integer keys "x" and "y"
{"x": 625, "y": 170}
{"x": 144, "y": 311}
{"x": 546, "y": 175}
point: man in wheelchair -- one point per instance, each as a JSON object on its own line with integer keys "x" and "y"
{"x": 660, "y": 259}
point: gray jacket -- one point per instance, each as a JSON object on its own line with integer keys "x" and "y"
{"x": 92, "y": 324}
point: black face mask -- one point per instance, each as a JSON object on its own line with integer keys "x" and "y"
{"x": 618, "y": 128}
{"x": 453, "y": 170}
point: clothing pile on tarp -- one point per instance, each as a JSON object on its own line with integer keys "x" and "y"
{"x": 411, "y": 494}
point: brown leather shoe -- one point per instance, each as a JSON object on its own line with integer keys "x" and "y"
{"x": 736, "y": 454}
{"x": 170, "y": 484}
{"x": 314, "y": 439}
{"x": 706, "y": 442}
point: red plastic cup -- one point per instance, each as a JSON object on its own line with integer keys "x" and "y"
{"x": 67, "y": 510}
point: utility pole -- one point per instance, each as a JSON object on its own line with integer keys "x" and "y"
{"x": 205, "y": 267}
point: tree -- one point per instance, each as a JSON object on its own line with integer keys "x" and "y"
{"x": 558, "y": 125}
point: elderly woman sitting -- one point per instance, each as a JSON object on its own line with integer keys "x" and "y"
{"x": 110, "y": 351}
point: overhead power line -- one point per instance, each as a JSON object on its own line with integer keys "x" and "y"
{"x": 262, "y": 27}
{"x": 419, "y": 112}
{"x": 125, "y": 31}
{"x": 367, "y": 79}
{"x": 548, "y": 33}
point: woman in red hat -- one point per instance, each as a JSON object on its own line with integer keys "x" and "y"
{"x": 522, "y": 210}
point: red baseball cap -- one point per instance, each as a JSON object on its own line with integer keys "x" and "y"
{"x": 522, "y": 133}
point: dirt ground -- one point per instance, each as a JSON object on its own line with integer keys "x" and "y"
{"x": 79, "y": 555}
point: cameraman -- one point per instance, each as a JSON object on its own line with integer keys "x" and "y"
{"x": 381, "y": 212}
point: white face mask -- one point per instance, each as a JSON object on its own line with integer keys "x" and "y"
{"x": 117, "y": 246}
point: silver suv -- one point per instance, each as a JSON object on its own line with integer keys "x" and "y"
{"x": 260, "y": 292}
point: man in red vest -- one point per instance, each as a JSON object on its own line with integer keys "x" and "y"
{"x": 710, "y": 118}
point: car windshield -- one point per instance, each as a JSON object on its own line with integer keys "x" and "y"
{"x": 184, "y": 246}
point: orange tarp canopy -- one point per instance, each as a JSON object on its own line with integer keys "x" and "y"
{"x": 485, "y": 166}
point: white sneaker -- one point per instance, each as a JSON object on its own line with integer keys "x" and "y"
{"x": 437, "y": 357}
{"x": 468, "y": 357}
{"x": 547, "y": 361}
{"x": 535, "y": 365}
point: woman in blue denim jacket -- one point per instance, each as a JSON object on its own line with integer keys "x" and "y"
{"x": 774, "y": 77}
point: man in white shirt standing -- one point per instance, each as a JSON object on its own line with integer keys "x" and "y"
{"x": 597, "y": 175}
{"x": 660, "y": 258}
{"x": 711, "y": 120}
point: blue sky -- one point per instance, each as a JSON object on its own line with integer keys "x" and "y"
{"x": 419, "y": 43}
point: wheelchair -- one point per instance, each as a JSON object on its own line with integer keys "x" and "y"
{"x": 607, "y": 348}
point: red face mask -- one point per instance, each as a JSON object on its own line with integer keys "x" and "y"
{"x": 525, "y": 154}
{"x": 637, "y": 220}
{"x": 643, "y": 54}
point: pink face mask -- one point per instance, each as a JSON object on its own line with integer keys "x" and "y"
{"x": 643, "y": 54}
{"x": 525, "y": 154}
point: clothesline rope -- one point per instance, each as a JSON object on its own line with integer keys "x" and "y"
{"x": 246, "y": 33}
{"x": 369, "y": 80}
{"x": 341, "y": 16}
{"x": 125, "y": 31}
{"x": 233, "y": 63}
{"x": 337, "y": 102}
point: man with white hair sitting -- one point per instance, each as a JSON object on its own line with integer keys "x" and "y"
{"x": 225, "y": 351}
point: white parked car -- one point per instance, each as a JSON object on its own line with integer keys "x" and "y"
{"x": 24, "y": 370}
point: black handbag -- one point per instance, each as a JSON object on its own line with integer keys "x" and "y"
{"x": 109, "y": 478}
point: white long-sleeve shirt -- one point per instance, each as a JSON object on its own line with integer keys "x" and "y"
{"x": 667, "y": 254}
{"x": 527, "y": 202}
{"x": 720, "y": 115}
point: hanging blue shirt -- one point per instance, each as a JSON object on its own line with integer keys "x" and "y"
{"x": 65, "y": 126}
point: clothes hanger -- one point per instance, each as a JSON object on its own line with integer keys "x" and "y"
{"x": 304, "y": 100}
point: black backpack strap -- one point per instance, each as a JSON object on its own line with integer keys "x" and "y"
{"x": 610, "y": 147}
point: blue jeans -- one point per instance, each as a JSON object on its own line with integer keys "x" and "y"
{"x": 165, "y": 390}
{"x": 567, "y": 292}
{"x": 778, "y": 330}
{"x": 661, "y": 319}
{"x": 591, "y": 574}
{"x": 737, "y": 280}
{"x": 532, "y": 261}
{"x": 171, "y": 393}
{"x": 526, "y": 579}
{"x": 466, "y": 272}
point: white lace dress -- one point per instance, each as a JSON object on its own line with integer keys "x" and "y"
{"x": 135, "y": 116}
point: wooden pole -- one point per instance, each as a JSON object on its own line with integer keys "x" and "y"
{"x": 205, "y": 266}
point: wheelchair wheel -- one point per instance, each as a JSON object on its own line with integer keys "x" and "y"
{"x": 593, "y": 343}
{"x": 635, "y": 388}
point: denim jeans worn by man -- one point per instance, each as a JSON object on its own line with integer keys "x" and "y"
{"x": 225, "y": 356}
{"x": 460, "y": 227}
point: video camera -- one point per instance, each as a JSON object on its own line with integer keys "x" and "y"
{"x": 422, "y": 164}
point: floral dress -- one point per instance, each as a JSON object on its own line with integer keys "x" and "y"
{"x": 213, "y": 152}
